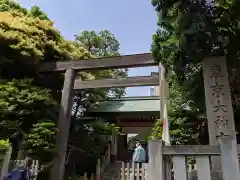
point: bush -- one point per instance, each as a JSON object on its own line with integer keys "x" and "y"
{"x": 4, "y": 144}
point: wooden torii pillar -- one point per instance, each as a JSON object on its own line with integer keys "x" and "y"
{"x": 137, "y": 60}
{"x": 63, "y": 125}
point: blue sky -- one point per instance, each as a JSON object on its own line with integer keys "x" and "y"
{"x": 132, "y": 21}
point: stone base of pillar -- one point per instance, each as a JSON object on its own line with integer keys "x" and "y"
{"x": 215, "y": 175}
{"x": 113, "y": 158}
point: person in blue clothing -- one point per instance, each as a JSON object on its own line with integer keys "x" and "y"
{"x": 23, "y": 172}
{"x": 139, "y": 155}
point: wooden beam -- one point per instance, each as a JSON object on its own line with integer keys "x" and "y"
{"x": 136, "y": 118}
{"x": 122, "y": 82}
{"x": 154, "y": 74}
{"x": 127, "y": 61}
{"x": 136, "y": 123}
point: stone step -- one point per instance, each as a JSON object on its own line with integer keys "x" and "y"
{"x": 112, "y": 171}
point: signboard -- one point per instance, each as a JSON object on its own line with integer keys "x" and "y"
{"x": 221, "y": 126}
{"x": 218, "y": 99}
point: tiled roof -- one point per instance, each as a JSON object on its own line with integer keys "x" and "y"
{"x": 129, "y": 104}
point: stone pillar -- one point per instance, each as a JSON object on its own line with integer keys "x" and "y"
{"x": 218, "y": 105}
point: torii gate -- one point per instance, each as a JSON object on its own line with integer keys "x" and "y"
{"x": 70, "y": 84}
{"x": 221, "y": 123}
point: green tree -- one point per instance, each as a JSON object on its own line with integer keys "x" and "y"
{"x": 103, "y": 44}
{"x": 25, "y": 41}
{"x": 186, "y": 124}
{"x": 188, "y": 32}
{"x": 35, "y": 11}
{"x": 100, "y": 44}
{"x": 22, "y": 105}
{"x": 29, "y": 106}
{"x": 11, "y": 5}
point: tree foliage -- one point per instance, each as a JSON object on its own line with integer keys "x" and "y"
{"x": 188, "y": 32}
{"x": 21, "y": 106}
{"x": 4, "y": 144}
{"x": 26, "y": 40}
{"x": 29, "y": 100}
{"x": 31, "y": 40}
{"x": 41, "y": 140}
{"x": 100, "y": 44}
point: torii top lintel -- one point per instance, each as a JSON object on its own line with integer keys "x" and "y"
{"x": 126, "y": 61}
